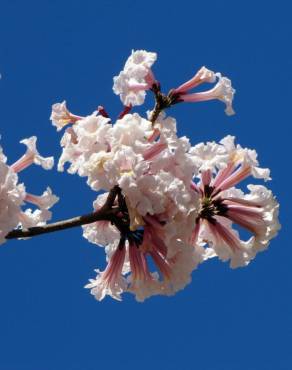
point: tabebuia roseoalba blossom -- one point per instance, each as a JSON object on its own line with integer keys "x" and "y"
{"x": 163, "y": 206}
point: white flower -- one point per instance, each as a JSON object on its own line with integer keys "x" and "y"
{"x": 96, "y": 170}
{"x": 140, "y": 59}
{"x": 30, "y": 218}
{"x": 136, "y": 78}
{"x": 225, "y": 92}
{"x": 61, "y": 116}
{"x": 87, "y": 137}
{"x": 132, "y": 130}
{"x": 209, "y": 156}
{"x": 185, "y": 261}
{"x": 264, "y": 198}
{"x": 101, "y": 233}
{"x": 91, "y": 133}
{"x": 245, "y": 156}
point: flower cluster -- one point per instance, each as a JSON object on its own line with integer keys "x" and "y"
{"x": 163, "y": 206}
{"x": 14, "y": 196}
{"x": 176, "y": 205}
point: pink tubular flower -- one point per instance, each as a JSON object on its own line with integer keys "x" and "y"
{"x": 174, "y": 262}
{"x": 154, "y": 150}
{"x": 44, "y": 201}
{"x": 142, "y": 282}
{"x": 203, "y": 75}
{"x": 137, "y": 245}
{"x": 32, "y": 156}
{"x": 110, "y": 281}
{"x": 222, "y": 90}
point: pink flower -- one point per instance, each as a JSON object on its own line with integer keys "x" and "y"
{"x": 203, "y": 75}
{"x": 32, "y": 156}
{"x": 223, "y": 90}
{"x": 44, "y": 201}
{"x": 110, "y": 281}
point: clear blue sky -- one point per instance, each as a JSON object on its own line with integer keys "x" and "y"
{"x": 225, "y": 320}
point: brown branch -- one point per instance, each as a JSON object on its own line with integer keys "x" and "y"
{"x": 158, "y": 103}
{"x": 155, "y": 113}
{"x": 106, "y": 213}
{"x": 162, "y": 101}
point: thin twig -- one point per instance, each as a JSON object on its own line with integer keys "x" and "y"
{"x": 162, "y": 101}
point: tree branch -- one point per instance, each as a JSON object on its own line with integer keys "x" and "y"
{"x": 106, "y": 213}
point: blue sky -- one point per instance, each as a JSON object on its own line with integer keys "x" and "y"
{"x": 225, "y": 320}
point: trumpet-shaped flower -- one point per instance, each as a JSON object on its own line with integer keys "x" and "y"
{"x": 61, "y": 116}
{"x": 32, "y": 156}
{"x": 223, "y": 89}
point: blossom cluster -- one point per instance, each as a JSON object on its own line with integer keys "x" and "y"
{"x": 178, "y": 205}
{"x": 164, "y": 206}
